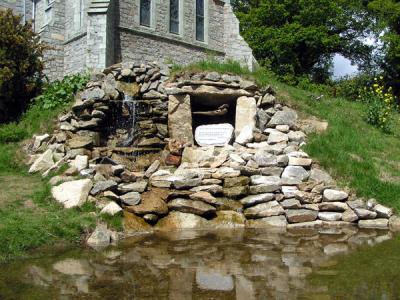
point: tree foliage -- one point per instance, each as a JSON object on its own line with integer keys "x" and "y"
{"x": 300, "y": 37}
{"x": 20, "y": 65}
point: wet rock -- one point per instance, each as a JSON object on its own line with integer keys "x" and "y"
{"x": 132, "y": 198}
{"x": 213, "y": 281}
{"x": 284, "y": 117}
{"x": 111, "y": 209}
{"x": 272, "y": 208}
{"x": 101, "y": 237}
{"x": 72, "y": 193}
{"x": 365, "y": 214}
{"x": 229, "y": 204}
{"x": 301, "y": 215}
{"x": 133, "y": 223}
{"x": 43, "y": 162}
{"x": 72, "y": 267}
{"x": 374, "y": 224}
{"x": 227, "y": 219}
{"x": 383, "y": 211}
{"x": 257, "y": 199}
{"x": 236, "y": 192}
{"x": 176, "y": 220}
{"x": 78, "y": 142}
{"x": 334, "y": 195}
{"x": 294, "y": 175}
{"x": 152, "y": 202}
{"x": 189, "y": 206}
{"x": 329, "y": 216}
{"x": 102, "y": 186}
{"x": 278, "y": 222}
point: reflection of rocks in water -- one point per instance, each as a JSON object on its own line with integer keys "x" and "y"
{"x": 234, "y": 264}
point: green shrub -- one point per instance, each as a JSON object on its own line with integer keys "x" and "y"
{"x": 12, "y": 133}
{"x": 59, "y": 93}
{"x": 349, "y": 87}
{"x": 380, "y": 105}
{"x": 21, "y": 65}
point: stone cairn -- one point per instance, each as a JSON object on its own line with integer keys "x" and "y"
{"x": 257, "y": 177}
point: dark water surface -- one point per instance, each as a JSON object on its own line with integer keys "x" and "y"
{"x": 233, "y": 264}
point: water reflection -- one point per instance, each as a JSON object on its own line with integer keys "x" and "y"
{"x": 236, "y": 264}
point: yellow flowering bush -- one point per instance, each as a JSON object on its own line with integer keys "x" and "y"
{"x": 381, "y": 104}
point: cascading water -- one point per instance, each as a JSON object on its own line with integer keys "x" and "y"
{"x": 129, "y": 109}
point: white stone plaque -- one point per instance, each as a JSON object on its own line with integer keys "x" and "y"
{"x": 214, "y": 134}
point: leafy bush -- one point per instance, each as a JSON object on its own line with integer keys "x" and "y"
{"x": 381, "y": 104}
{"x": 59, "y": 93}
{"x": 21, "y": 65}
{"x": 349, "y": 87}
{"x": 12, "y": 133}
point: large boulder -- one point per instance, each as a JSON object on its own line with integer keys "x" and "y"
{"x": 72, "y": 193}
{"x": 176, "y": 220}
{"x": 284, "y": 117}
{"x": 272, "y": 208}
{"x": 227, "y": 219}
{"x": 301, "y": 215}
{"x": 152, "y": 202}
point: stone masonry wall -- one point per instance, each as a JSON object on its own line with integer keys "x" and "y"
{"x": 75, "y": 55}
{"x": 18, "y": 7}
{"x": 156, "y": 43}
{"x": 235, "y": 46}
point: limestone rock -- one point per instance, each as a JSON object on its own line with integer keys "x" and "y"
{"x": 236, "y": 192}
{"x": 212, "y": 188}
{"x": 197, "y": 155}
{"x": 330, "y": 216}
{"x": 72, "y": 193}
{"x": 333, "y": 206}
{"x": 284, "y": 117}
{"x": 334, "y": 195}
{"x": 294, "y": 175}
{"x": 78, "y": 142}
{"x": 265, "y": 159}
{"x": 276, "y": 137}
{"x": 205, "y": 197}
{"x": 257, "y": 199}
{"x": 301, "y": 215}
{"x": 319, "y": 175}
{"x": 180, "y": 118}
{"x": 111, "y": 209}
{"x": 189, "y": 206}
{"x": 152, "y": 169}
{"x": 394, "y": 223}
{"x": 272, "y": 208}
{"x": 246, "y": 108}
{"x": 246, "y": 135}
{"x": 138, "y": 186}
{"x": 349, "y": 216}
{"x": 102, "y": 186}
{"x": 365, "y": 214}
{"x": 132, "y": 198}
{"x": 291, "y": 204}
{"x": 176, "y": 220}
{"x": 259, "y": 179}
{"x": 236, "y": 181}
{"x": 264, "y": 188}
{"x": 213, "y": 281}
{"x": 383, "y": 211}
{"x": 43, "y": 162}
{"x": 297, "y": 161}
{"x": 374, "y": 224}
{"x": 225, "y": 172}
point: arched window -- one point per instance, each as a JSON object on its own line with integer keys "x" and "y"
{"x": 145, "y": 13}
{"x": 200, "y": 20}
{"x": 174, "y": 16}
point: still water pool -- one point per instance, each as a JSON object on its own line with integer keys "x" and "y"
{"x": 235, "y": 264}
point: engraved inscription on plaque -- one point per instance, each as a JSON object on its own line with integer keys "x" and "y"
{"x": 214, "y": 135}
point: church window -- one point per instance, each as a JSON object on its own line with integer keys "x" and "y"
{"x": 174, "y": 16}
{"x": 200, "y": 20}
{"x": 145, "y": 12}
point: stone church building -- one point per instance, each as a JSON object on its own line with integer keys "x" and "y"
{"x": 93, "y": 34}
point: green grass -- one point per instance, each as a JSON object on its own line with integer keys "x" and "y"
{"x": 357, "y": 154}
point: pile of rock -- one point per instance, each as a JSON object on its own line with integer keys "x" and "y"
{"x": 261, "y": 179}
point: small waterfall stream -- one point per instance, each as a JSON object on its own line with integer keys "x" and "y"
{"x": 129, "y": 109}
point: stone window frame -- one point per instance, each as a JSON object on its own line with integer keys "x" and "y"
{"x": 205, "y": 20}
{"x": 180, "y": 18}
{"x": 151, "y": 14}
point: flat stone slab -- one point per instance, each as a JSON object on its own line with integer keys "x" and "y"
{"x": 214, "y": 134}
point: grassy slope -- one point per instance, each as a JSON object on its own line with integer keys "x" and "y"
{"x": 28, "y": 216}
{"x": 355, "y": 153}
